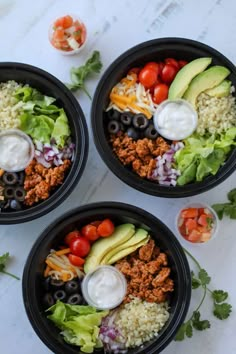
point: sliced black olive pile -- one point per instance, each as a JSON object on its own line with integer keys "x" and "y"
{"x": 137, "y": 126}
{"x": 12, "y": 192}
{"x": 69, "y": 292}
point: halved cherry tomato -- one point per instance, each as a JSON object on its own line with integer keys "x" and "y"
{"x": 182, "y": 63}
{"x": 75, "y": 260}
{"x": 168, "y": 73}
{"x": 189, "y": 213}
{"x": 152, "y": 65}
{"x": 173, "y": 62}
{"x": 160, "y": 93}
{"x": 80, "y": 246}
{"x": 147, "y": 77}
{"x": 65, "y": 22}
{"x": 106, "y": 228}
{"x": 90, "y": 232}
{"x": 71, "y": 236}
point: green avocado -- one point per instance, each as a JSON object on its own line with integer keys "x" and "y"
{"x": 101, "y": 247}
{"x": 185, "y": 76}
{"x": 125, "y": 252}
{"x": 204, "y": 81}
{"x": 222, "y": 90}
{"x": 139, "y": 236}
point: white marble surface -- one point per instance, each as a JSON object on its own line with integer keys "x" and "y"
{"x": 114, "y": 26}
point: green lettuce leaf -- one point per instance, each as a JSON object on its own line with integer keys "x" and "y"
{"x": 38, "y": 127}
{"x": 79, "y": 324}
{"x": 61, "y": 130}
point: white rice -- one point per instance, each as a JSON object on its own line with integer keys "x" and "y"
{"x": 140, "y": 321}
{"x": 10, "y": 108}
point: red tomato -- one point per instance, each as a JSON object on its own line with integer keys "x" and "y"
{"x": 75, "y": 260}
{"x": 71, "y": 236}
{"x": 147, "y": 77}
{"x": 194, "y": 236}
{"x": 160, "y": 93}
{"x": 189, "y": 213}
{"x": 106, "y": 228}
{"x": 173, "y": 62}
{"x": 168, "y": 73}
{"x": 65, "y": 22}
{"x": 161, "y": 66}
{"x": 190, "y": 224}
{"x": 152, "y": 65}
{"x": 182, "y": 63}
{"x": 59, "y": 35}
{"x": 80, "y": 246}
{"x": 95, "y": 223}
{"x": 205, "y": 219}
{"x": 90, "y": 232}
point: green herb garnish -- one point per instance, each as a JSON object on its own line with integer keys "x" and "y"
{"x": 3, "y": 260}
{"x": 78, "y": 75}
{"x": 221, "y": 309}
{"x": 229, "y": 208}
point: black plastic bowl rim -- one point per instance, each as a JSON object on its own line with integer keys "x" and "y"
{"x": 115, "y": 209}
{"x": 121, "y": 65}
{"x": 80, "y": 131}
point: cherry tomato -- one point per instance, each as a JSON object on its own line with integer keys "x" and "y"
{"x": 71, "y": 236}
{"x": 160, "y": 93}
{"x": 182, "y": 63}
{"x": 90, "y": 232}
{"x": 80, "y": 246}
{"x": 75, "y": 260}
{"x": 161, "y": 66}
{"x": 168, "y": 73}
{"x": 106, "y": 228}
{"x": 95, "y": 223}
{"x": 147, "y": 77}
{"x": 173, "y": 62}
{"x": 152, "y": 65}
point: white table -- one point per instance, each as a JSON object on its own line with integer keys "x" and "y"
{"x": 114, "y": 26}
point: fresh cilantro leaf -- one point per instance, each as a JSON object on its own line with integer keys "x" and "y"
{"x": 199, "y": 325}
{"x": 3, "y": 259}
{"x": 204, "y": 277}
{"x": 181, "y": 333}
{"x": 219, "y": 295}
{"x": 195, "y": 282}
{"x": 222, "y": 311}
{"x": 78, "y": 75}
{"x": 189, "y": 329}
{"x": 219, "y": 209}
{"x": 232, "y": 195}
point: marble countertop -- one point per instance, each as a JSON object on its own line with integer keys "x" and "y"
{"x": 115, "y": 26}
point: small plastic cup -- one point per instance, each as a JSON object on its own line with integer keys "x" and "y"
{"x": 74, "y": 51}
{"x": 104, "y": 275}
{"x": 213, "y": 231}
{"x": 21, "y": 134}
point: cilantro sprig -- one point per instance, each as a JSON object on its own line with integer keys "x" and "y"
{"x": 221, "y": 309}
{"x": 3, "y": 260}
{"x": 229, "y": 208}
{"x": 78, "y": 75}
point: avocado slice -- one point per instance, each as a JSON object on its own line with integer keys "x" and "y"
{"x": 204, "y": 81}
{"x": 125, "y": 252}
{"x": 100, "y": 248}
{"x": 185, "y": 76}
{"x": 222, "y": 90}
{"x": 139, "y": 235}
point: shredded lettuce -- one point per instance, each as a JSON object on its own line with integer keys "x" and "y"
{"x": 41, "y": 119}
{"x": 203, "y": 156}
{"x": 79, "y": 324}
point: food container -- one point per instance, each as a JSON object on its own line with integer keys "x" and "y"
{"x": 157, "y": 49}
{"x": 30, "y": 149}
{"x": 204, "y": 230}
{"x": 88, "y": 287}
{"x": 57, "y": 45}
{"x": 51, "y": 86}
{"x": 53, "y": 235}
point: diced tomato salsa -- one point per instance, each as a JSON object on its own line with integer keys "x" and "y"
{"x": 68, "y": 34}
{"x": 196, "y": 224}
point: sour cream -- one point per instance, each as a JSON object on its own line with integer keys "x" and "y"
{"x": 105, "y": 288}
{"x": 175, "y": 120}
{"x": 16, "y": 150}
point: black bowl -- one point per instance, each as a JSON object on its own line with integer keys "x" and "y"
{"x": 51, "y": 86}
{"x": 158, "y": 50}
{"x": 120, "y": 213}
